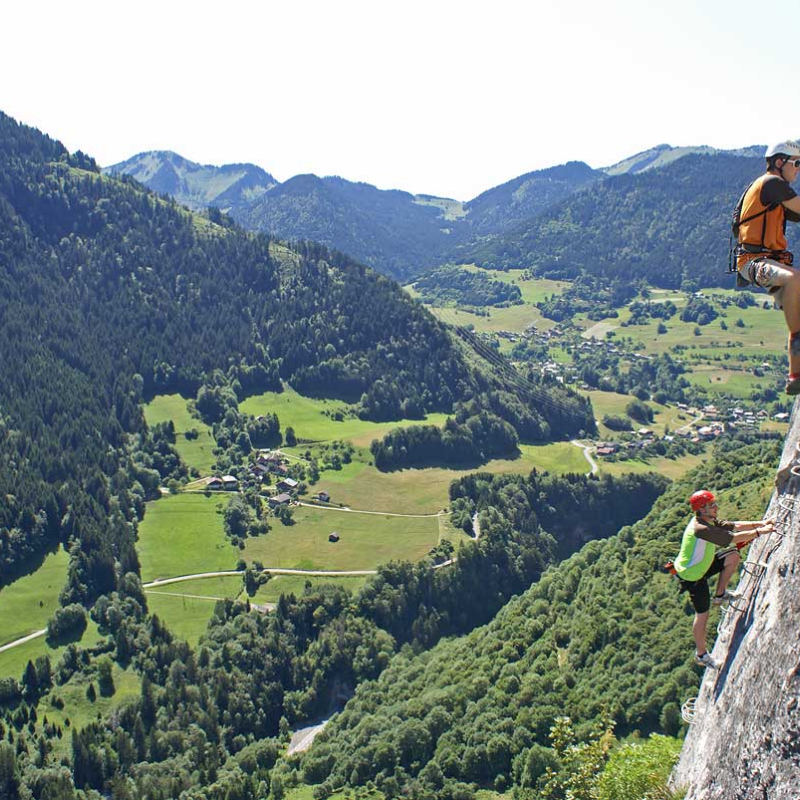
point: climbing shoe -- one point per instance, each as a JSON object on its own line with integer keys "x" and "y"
{"x": 725, "y": 597}
{"x": 705, "y": 660}
{"x": 793, "y": 385}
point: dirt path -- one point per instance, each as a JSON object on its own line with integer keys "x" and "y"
{"x": 588, "y": 456}
{"x": 28, "y": 638}
{"x": 272, "y": 570}
{"x": 357, "y": 511}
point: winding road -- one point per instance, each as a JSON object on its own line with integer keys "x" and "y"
{"x": 587, "y": 452}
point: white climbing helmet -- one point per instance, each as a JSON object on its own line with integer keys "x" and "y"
{"x": 787, "y": 148}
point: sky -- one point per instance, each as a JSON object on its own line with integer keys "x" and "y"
{"x": 437, "y": 97}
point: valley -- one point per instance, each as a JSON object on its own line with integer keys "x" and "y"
{"x": 247, "y": 481}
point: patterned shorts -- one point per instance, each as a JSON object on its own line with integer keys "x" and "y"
{"x": 764, "y": 272}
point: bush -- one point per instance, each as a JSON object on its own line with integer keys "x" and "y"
{"x": 617, "y": 423}
{"x": 639, "y": 411}
{"x": 640, "y": 771}
{"x": 67, "y": 623}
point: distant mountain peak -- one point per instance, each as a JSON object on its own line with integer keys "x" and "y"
{"x": 196, "y": 185}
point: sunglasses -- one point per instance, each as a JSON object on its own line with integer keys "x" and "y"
{"x": 794, "y": 162}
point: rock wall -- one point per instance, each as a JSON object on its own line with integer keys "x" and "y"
{"x": 744, "y": 741}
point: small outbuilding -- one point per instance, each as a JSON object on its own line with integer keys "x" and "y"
{"x": 334, "y": 537}
{"x": 324, "y": 497}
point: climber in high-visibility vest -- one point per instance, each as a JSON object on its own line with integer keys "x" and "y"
{"x": 698, "y": 560}
{"x": 762, "y": 257}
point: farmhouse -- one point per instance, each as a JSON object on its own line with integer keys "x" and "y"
{"x": 279, "y": 500}
{"x": 214, "y": 483}
{"x": 288, "y": 485}
{"x": 229, "y": 483}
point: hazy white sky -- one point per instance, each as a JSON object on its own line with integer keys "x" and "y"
{"x": 436, "y": 96}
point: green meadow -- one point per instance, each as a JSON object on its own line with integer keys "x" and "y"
{"x": 763, "y": 330}
{"x": 367, "y": 540}
{"x": 183, "y": 534}
{"x": 30, "y": 601}
{"x": 277, "y": 585}
{"x": 186, "y": 607}
{"x": 311, "y": 420}
{"x": 360, "y": 485}
{"x": 193, "y": 452}
{"x": 79, "y": 710}
{"x": 737, "y": 383}
{"x": 665, "y": 417}
{"x": 14, "y": 661}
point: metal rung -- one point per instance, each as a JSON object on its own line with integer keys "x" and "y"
{"x": 689, "y": 710}
{"x": 754, "y": 568}
{"x": 787, "y": 502}
{"x": 795, "y": 470}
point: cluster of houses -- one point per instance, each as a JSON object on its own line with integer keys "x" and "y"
{"x": 269, "y": 461}
{"x": 714, "y": 425}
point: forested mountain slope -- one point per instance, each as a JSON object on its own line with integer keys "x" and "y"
{"x": 668, "y": 226}
{"x": 518, "y": 200}
{"x": 605, "y": 629}
{"x": 663, "y": 154}
{"x": 390, "y": 231}
{"x": 109, "y": 293}
{"x": 663, "y": 213}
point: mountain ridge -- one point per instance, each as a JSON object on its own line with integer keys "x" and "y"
{"x": 396, "y": 232}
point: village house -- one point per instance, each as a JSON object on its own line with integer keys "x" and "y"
{"x": 214, "y": 483}
{"x": 279, "y": 500}
{"x": 287, "y": 485}
{"x": 229, "y": 483}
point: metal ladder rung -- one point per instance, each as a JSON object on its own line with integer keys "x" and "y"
{"x": 754, "y": 568}
{"x": 689, "y": 710}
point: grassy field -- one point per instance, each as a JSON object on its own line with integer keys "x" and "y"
{"x": 295, "y": 584}
{"x": 367, "y": 540}
{"x": 79, "y": 710}
{"x": 14, "y": 661}
{"x": 672, "y": 468}
{"x": 183, "y": 534}
{"x": 763, "y": 331}
{"x": 186, "y": 607}
{"x": 310, "y": 421}
{"x": 665, "y": 417}
{"x": 736, "y": 383}
{"x": 193, "y": 452}
{"x": 30, "y": 601}
{"x": 426, "y": 491}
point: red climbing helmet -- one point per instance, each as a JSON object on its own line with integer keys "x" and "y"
{"x": 700, "y": 499}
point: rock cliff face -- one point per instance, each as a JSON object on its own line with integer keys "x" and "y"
{"x": 744, "y": 741}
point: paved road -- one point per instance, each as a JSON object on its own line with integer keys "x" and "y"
{"x": 303, "y": 737}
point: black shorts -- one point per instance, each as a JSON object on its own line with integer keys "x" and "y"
{"x": 698, "y": 590}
